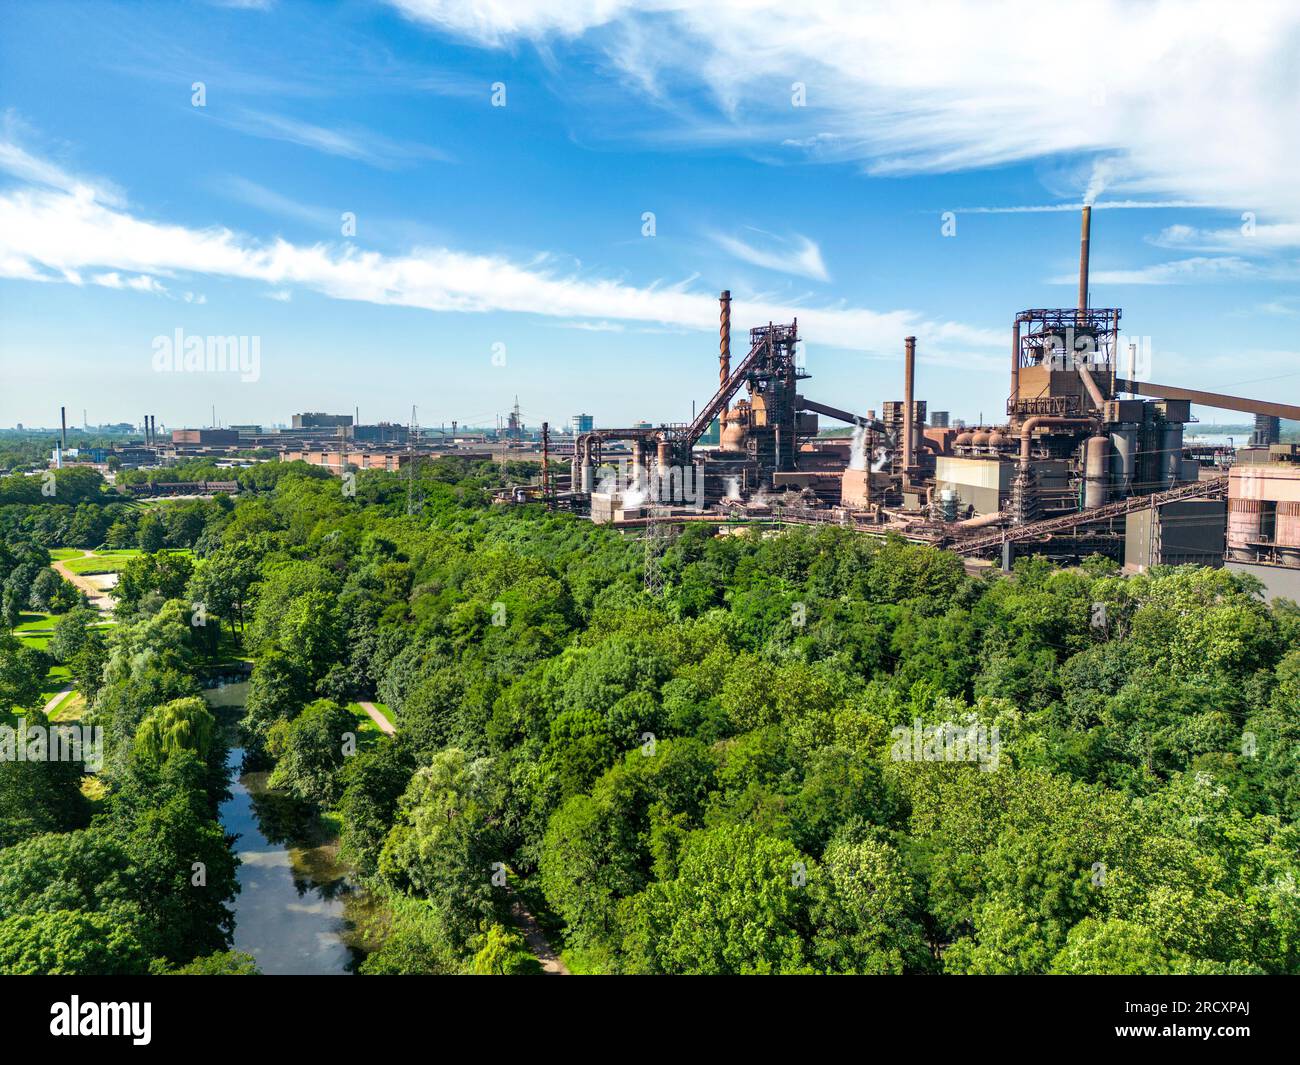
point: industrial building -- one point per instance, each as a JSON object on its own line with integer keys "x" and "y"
{"x": 1264, "y": 517}
{"x": 1087, "y": 460}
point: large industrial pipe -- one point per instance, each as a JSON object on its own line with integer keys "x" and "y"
{"x": 909, "y": 381}
{"x": 1090, "y": 383}
{"x": 1096, "y": 458}
{"x": 1030, "y": 424}
{"x": 1083, "y": 262}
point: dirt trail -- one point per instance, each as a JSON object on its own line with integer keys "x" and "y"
{"x": 385, "y": 726}
{"x": 537, "y": 941}
{"x": 99, "y": 597}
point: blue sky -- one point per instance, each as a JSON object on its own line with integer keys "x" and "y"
{"x": 127, "y": 212}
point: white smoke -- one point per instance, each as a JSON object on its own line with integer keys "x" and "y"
{"x": 858, "y": 448}
{"x": 733, "y": 488}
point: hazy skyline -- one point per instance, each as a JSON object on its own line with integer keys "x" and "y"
{"x": 449, "y": 204}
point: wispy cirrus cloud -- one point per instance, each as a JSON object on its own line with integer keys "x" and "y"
{"x": 1195, "y": 269}
{"x": 795, "y": 255}
{"x": 365, "y": 146}
{"x": 901, "y": 87}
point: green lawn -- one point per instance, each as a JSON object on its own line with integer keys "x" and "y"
{"x": 367, "y": 731}
{"x": 102, "y": 562}
{"x": 55, "y": 679}
{"x": 60, "y": 554}
{"x": 33, "y": 623}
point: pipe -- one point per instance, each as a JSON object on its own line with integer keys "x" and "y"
{"x": 1030, "y": 424}
{"x": 1083, "y": 262}
{"x": 982, "y": 520}
{"x": 1090, "y": 383}
{"x": 909, "y": 375}
{"x": 1015, "y": 367}
{"x": 1095, "y": 462}
{"x": 804, "y": 404}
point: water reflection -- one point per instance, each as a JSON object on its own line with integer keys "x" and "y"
{"x": 298, "y": 906}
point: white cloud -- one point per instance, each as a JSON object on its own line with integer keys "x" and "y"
{"x": 1247, "y": 239}
{"x": 798, "y": 255}
{"x": 139, "y": 283}
{"x": 1200, "y": 268}
{"x": 362, "y": 145}
{"x": 1184, "y": 99}
{"x": 52, "y": 235}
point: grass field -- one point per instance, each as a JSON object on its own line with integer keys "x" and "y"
{"x": 69, "y": 708}
{"x": 102, "y": 562}
{"x": 33, "y": 624}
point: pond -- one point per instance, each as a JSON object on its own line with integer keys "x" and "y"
{"x": 299, "y": 909}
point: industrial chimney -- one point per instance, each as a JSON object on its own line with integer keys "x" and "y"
{"x": 63, "y": 428}
{"x": 909, "y": 382}
{"x": 724, "y": 339}
{"x": 1083, "y": 262}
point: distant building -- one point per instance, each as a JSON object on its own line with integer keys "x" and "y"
{"x": 939, "y": 419}
{"x": 583, "y": 423}
{"x": 317, "y": 420}
{"x": 382, "y": 433}
{"x": 206, "y": 437}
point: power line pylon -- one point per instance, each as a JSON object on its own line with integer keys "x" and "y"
{"x": 414, "y": 501}
{"x": 658, "y": 535}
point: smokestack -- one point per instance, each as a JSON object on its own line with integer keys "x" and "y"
{"x": 1083, "y": 261}
{"x": 724, "y": 341}
{"x": 1015, "y": 366}
{"x": 546, "y": 455}
{"x": 153, "y": 428}
{"x": 909, "y": 382}
{"x": 63, "y": 428}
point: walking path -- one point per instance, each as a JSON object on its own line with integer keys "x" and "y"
{"x": 385, "y": 726}
{"x": 54, "y": 699}
{"x": 98, "y": 596}
{"x": 537, "y": 941}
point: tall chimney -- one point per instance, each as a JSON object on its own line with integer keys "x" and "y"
{"x": 1015, "y": 367}
{"x": 153, "y": 428}
{"x": 909, "y": 382}
{"x": 724, "y": 340}
{"x": 1083, "y": 261}
{"x": 63, "y": 430}
{"x": 546, "y": 456}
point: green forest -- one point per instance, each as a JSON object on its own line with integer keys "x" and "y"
{"x": 812, "y": 752}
